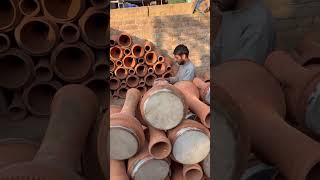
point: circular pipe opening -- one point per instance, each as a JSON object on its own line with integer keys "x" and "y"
{"x": 150, "y": 79}
{"x": 160, "y": 68}
{"x": 7, "y": 14}
{"x": 194, "y": 174}
{"x": 151, "y": 58}
{"x": 43, "y": 33}
{"x": 4, "y": 42}
{"x": 69, "y": 33}
{"x": 29, "y": 7}
{"x": 142, "y": 83}
{"x": 119, "y": 63}
{"x": 168, "y": 68}
{"x": 43, "y": 73}
{"x": 167, "y": 75}
{"x": 129, "y": 62}
{"x": 133, "y": 81}
{"x": 14, "y": 71}
{"x": 160, "y": 150}
{"x": 62, "y": 10}
{"x": 160, "y": 58}
{"x": 121, "y": 73}
{"x": 131, "y": 71}
{"x": 141, "y": 70}
{"x": 112, "y": 42}
{"x": 150, "y": 70}
{"x": 127, "y": 51}
{"x": 140, "y": 60}
{"x": 114, "y": 83}
{"x": 147, "y": 47}
{"x": 125, "y": 40}
{"x": 39, "y": 97}
{"x": 116, "y": 53}
{"x": 122, "y": 92}
{"x": 137, "y": 51}
{"x": 72, "y": 63}
{"x": 112, "y": 65}
{"x": 96, "y": 29}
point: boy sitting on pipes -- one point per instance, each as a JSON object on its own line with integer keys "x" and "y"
{"x": 187, "y": 70}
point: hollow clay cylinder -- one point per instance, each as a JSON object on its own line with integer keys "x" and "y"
{"x": 124, "y": 40}
{"x": 190, "y": 142}
{"x": 137, "y": 51}
{"x": 129, "y": 61}
{"x": 94, "y": 27}
{"x": 38, "y": 97}
{"x": 122, "y": 91}
{"x": 151, "y": 58}
{"x": 144, "y": 166}
{"x": 141, "y": 70}
{"x": 10, "y": 16}
{"x": 159, "y": 144}
{"x": 16, "y": 69}
{"x": 126, "y": 133}
{"x": 29, "y": 7}
{"x": 72, "y": 62}
{"x": 5, "y": 42}
{"x": 163, "y": 106}
{"x": 70, "y": 33}
{"x": 204, "y": 89}
{"x": 43, "y": 70}
{"x": 160, "y": 68}
{"x": 301, "y": 87}
{"x": 113, "y": 40}
{"x": 131, "y": 71}
{"x": 114, "y": 83}
{"x": 43, "y": 30}
{"x": 263, "y": 104}
{"x": 58, "y": 157}
{"x": 127, "y": 51}
{"x": 116, "y": 52}
{"x": 149, "y": 79}
{"x": 132, "y": 81}
{"x": 192, "y": 172}
{"x": 191, "y": 93}
{"x": 148, "y": 46}
{"x": 62, "y": 12}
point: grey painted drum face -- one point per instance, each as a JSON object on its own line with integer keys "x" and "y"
{"x": 123, "y": 143}
{"x": 191, "y": 146}
{"x": 164, "y": 110}
{"x": 151, "y": 169}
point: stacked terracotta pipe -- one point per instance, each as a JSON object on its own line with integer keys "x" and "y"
{"x": 154, "y": 136}
{"x": 135, "y": 65}
{"x": 45, "y": 45}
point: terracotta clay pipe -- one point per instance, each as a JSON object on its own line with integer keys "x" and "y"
{"x": 17, "y": 110}
{"x": 141, "y": 82}
{"x": 169, "y": 63}
{"x": 45, "y": 31}
{"x": 142, "y": 89}
{"x": 131, "y": 71}
{"x": 191, "y": 93}
{"x": 111, "y": 74}
{"x": 78, "y": 57}
{"x": 118, "y": 170}
{"x": 159, "y": 68}
{"x": 204, "y": 89}
{"x": 192, "y": 172}
{"x": 129, "y": 61}
{"x": 150, "y": 70}
{"x": 205, "y": 164}
{"x": 148, "y": 46}
{"x": 308, "y": 49}
{"x": 29, "y": 7}
{"x": 94, "y": 28}
{"x": 16, "y": 69}
{"x": 43, "y": 70}
{"x": 16, "y": 150}
{"x": 114, "y": 40}
{"x": 159, "y": 145}
{"x": 70, "y": 33}
{"x": 262, "y": 101}
{"x": 126, "y": 133}
{"x": 137, "y": 51}
{"x": 114, "y": 83}
{"x": 67, "y": 11}
{"x": 58, "y": 157}
{"x": 127, "y": 51}
{"x": 122, "y": 90}
{"x": 119, "y": 63}
{"x": 116, "y": 52}
{"x": 11, "y": 15}
{"x": 103, "y": 146}
{"x": 177, "y": 172}
{"x": 140, "y": 60}
{"x": 190, "y": 142}
{"x": 149, "y": 79}
{"x": 151, "y": 58}
{"x": 141, "y": 70}
{"x": 163, "y": 106}
{"x": 161, "y": 59}
{"x": 167, "y": 74}
{"x": 100, "y": 68}
{"x": 38, "y": 97}
{"x": 132, "y": 81}
{"x": 124, "y": 40}
{"x": 139, "y": 166}
{"x": 301, "y": 88}
{"x": 5, "y": 42}
{"x": 99, "y": 4}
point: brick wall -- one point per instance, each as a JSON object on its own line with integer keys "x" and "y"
{"x": 293, "y": 18}
{"x": 167, "y": 26}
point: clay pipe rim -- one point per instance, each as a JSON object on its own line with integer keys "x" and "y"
{"x": 34, "y": 11}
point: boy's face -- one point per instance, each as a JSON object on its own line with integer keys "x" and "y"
{"x": 180, "y": 58}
